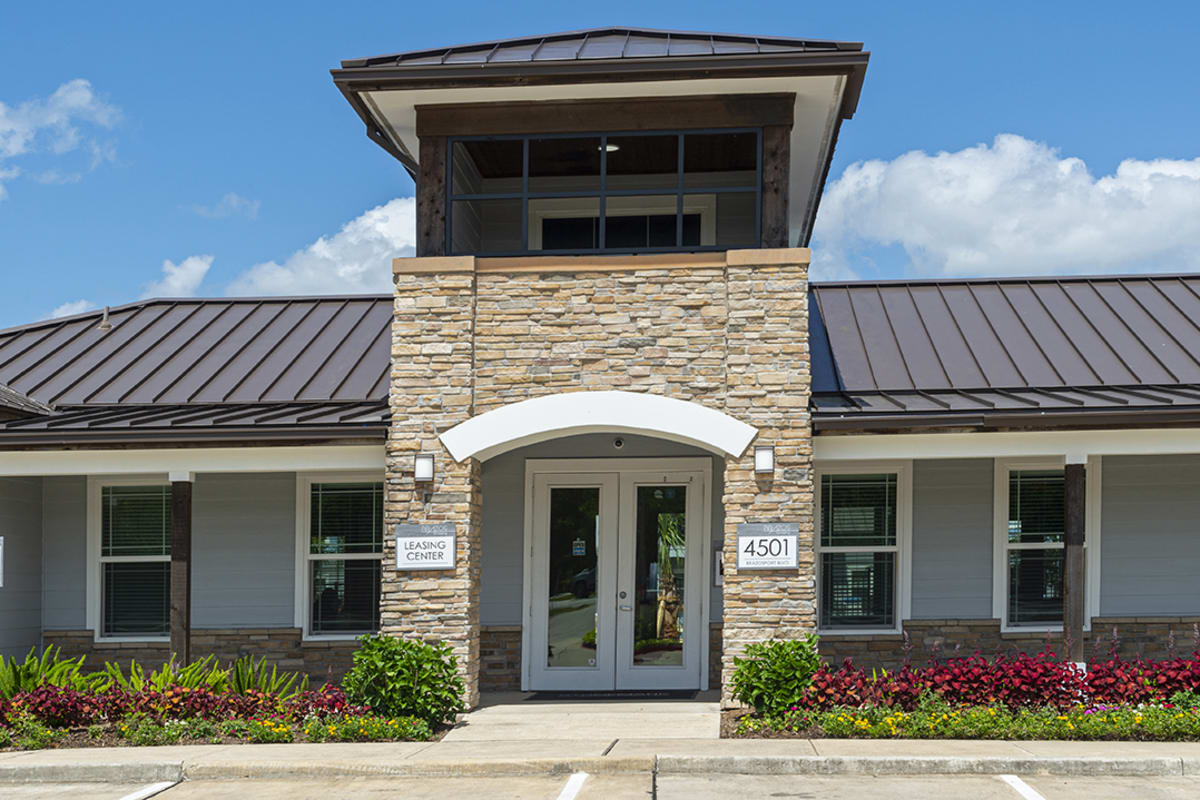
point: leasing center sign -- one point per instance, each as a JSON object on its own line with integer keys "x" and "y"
{"x": 768, "y": 545}
{"x": 425, "y": 546}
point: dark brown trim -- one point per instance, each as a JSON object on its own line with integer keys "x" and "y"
{"x": 1032, "y": 419}
{"x": 608, "y": 114}
{"x": 241, "y": 435}
{"x": 431, "y": 197}
{"x": 1074, "y": 585}
{"x": 181, "y": 570}
{"x": 776, "y": 166}
{"x": 375, "y": 133}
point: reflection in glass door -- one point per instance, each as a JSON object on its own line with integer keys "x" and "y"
{"x": 660, "y": 575}
{"x": 574, "y": 566}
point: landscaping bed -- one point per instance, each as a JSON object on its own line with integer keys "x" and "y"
{"x": 397, "y": 691}
{"x": 791, "y": 693}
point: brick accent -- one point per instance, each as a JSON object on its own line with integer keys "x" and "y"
{"x": 500, "y": 658}
{"x": 944, "y": 638}
{"x": 768, "y": 384}
{"x": 282, "y": 647}
{"x": 431, "y": 391}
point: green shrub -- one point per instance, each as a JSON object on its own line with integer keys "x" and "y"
{"x": 145, "y": 732}
{"x": 773, "y": 676}
{"x": 1186, "y": 699}
{"x": 403, "y": 678}
{"x": 369, "y": 728}
{"x": 28, "y": 733}
{"x": 34, "y": 672}
{"x": 203, "y": 674}
{"x": 247, "y": 675}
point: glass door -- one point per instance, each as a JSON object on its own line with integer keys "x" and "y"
{"x": 659, "y": 581}
{"x": 573, "y": 581}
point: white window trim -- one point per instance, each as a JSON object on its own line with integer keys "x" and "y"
{"x": 903, "y": 547}
{"x": 93, "y": 582}
{"x": 302, "y": 606}
{"x": 1001, "y": 545}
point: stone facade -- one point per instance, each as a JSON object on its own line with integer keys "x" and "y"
{"x": 500, "y": 658}
{"x": 944, "y": 638}
{"x": 282, "y": 647}
{"x": 725, "y": 330}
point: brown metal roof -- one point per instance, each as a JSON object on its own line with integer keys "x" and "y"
{"x": 604, "y": 43}
{"x": 187, "y": 351}
{"x": 1036, "y": 346}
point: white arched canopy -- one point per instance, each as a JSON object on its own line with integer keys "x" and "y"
{"x": 542, "y": 418}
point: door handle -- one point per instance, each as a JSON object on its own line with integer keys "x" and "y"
{"x": 626, "y": 608}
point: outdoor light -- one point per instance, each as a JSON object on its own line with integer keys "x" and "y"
{"x": 764, "y": 460}
{"x": 423, "y": 469}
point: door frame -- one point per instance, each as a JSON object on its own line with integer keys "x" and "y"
{"x": 561, "y": 466}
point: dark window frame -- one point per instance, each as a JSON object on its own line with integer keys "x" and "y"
{"x": 680, "y": 191}
{"x": 317, "y": 551}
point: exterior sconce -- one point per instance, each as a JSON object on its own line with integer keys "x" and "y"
{"x": 764, "y": 460}
{"x": 423, "y": 469}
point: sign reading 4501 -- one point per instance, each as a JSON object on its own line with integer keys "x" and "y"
{"x": 768, "y": 545}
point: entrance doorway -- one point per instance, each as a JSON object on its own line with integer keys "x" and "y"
{"x": 614, "y": 576}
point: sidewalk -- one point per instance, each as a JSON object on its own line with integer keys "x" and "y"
{"x": 662, "y": 757}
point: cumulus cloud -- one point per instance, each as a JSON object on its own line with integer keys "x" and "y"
{"x": 1012, "y": 207}
{"x": 56, "y": 125}
{"x": 179, "y": 280}
{"x": 73, "y": 307}
{"x": 232, "y": 204}
{"x": 356, "y": 259}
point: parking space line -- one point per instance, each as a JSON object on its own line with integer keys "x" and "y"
{"x": 149, "y": 790}
{"x": 574, "y": 784}
{"x": 1022, "y": 788}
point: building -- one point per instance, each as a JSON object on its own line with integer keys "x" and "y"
{"x": 605, "y": 433}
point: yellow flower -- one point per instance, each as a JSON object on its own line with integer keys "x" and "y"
{"x": 1071, "y": 726}
{"x": 1060, "y": 716}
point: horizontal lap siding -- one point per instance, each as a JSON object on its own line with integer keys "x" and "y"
{"x": 1150, "y": 546}
{"x": 64, "y": 553}
{"x": 243, "y": 550}
{"x": 952, "y": 539}
{"x": 20, "y": 596}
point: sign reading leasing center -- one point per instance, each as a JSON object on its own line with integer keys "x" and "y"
{"x": 768, "y": 545}
{"x": 425, "y": 546}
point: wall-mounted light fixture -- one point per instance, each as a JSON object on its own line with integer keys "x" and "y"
{"x": 764, "y": 460}
{"x": 423, "y": 468}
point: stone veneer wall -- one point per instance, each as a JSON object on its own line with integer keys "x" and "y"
{"x": 726, "y": 330}
{"x": 282, "y": 647}
{"x": 944, "y": 638}
{"x": 500, "y": 658}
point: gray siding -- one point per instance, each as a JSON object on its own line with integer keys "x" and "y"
{"x": 64, "y": 553}
{"x": 1150, "y": 540}
{"x": 504, "y": 512}
{"x": 21, "y": 594}
{"x": 243, "y": 550}
{"x": 952, "y": 539}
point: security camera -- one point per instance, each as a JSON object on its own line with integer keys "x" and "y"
{"x": 618, "y": 442}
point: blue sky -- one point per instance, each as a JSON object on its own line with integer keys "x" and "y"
{"x": 210, "y": 136}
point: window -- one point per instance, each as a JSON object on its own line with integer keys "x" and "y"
{"x": 604, "y": 192}
{"x": 343, "y": 550}
{"x": 861, "y": 542}
{"x": 1033, "y": 547}
{"x": 135, "y": 560}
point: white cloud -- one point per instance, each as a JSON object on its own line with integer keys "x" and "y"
{"x": 1014, "y": 207}
{"x": 179, "y": 280}
{"x": 230, "y": 205}
{"x": 55, "y": 125}
{"x": 357, "y": 259}
{"x": 54, "y": 176}
{"x": 73, "y": 307}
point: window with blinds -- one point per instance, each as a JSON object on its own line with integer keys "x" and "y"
{"x": 135, "y": 560}
{"x": 345, "y": 554}
{"x": 858, "y": 550}
{"x": 1034, "y": 546}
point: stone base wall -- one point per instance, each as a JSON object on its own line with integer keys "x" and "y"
{"x": 714, "y": 655}
{"x": 1149, "y": 637}
{"x": 282, "y": 647}
{"x": 500, "y": 658}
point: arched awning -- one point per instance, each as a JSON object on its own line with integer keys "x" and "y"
{"x": 543, "y": 418}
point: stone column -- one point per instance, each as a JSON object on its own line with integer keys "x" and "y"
{"x": 432, "y": 390}
{"x": 767, "y": 386}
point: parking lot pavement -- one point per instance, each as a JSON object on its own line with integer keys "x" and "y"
{"x": 78, "y": 791}
{"x": 595, "y": 787}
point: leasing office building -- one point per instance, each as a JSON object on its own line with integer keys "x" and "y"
{"x": 604, "y": 370}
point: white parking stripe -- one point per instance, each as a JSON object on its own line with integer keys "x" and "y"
{"x": 1023, "y": 788}
{"x": 574, "y": 784}
{"x": 149, "y": 790}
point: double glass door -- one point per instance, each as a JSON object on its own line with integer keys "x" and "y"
{"x": 616, "y": 580}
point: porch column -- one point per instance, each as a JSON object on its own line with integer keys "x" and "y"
{"x": 1074, "y": 579}
{"x": 181, "y": 565}
{"x": 768, "y": 386}
{"x": 431, "y": 391}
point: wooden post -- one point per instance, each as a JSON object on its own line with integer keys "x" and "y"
{"x": 181, "y": 566}
{"x": 431, "y": 197}
{"x": 1074, "y": 580}
{"x": 776, "y": 166}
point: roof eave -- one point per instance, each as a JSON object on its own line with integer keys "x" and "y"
{"x": 857, "y": 422}
{"x": 166, "y": 437}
